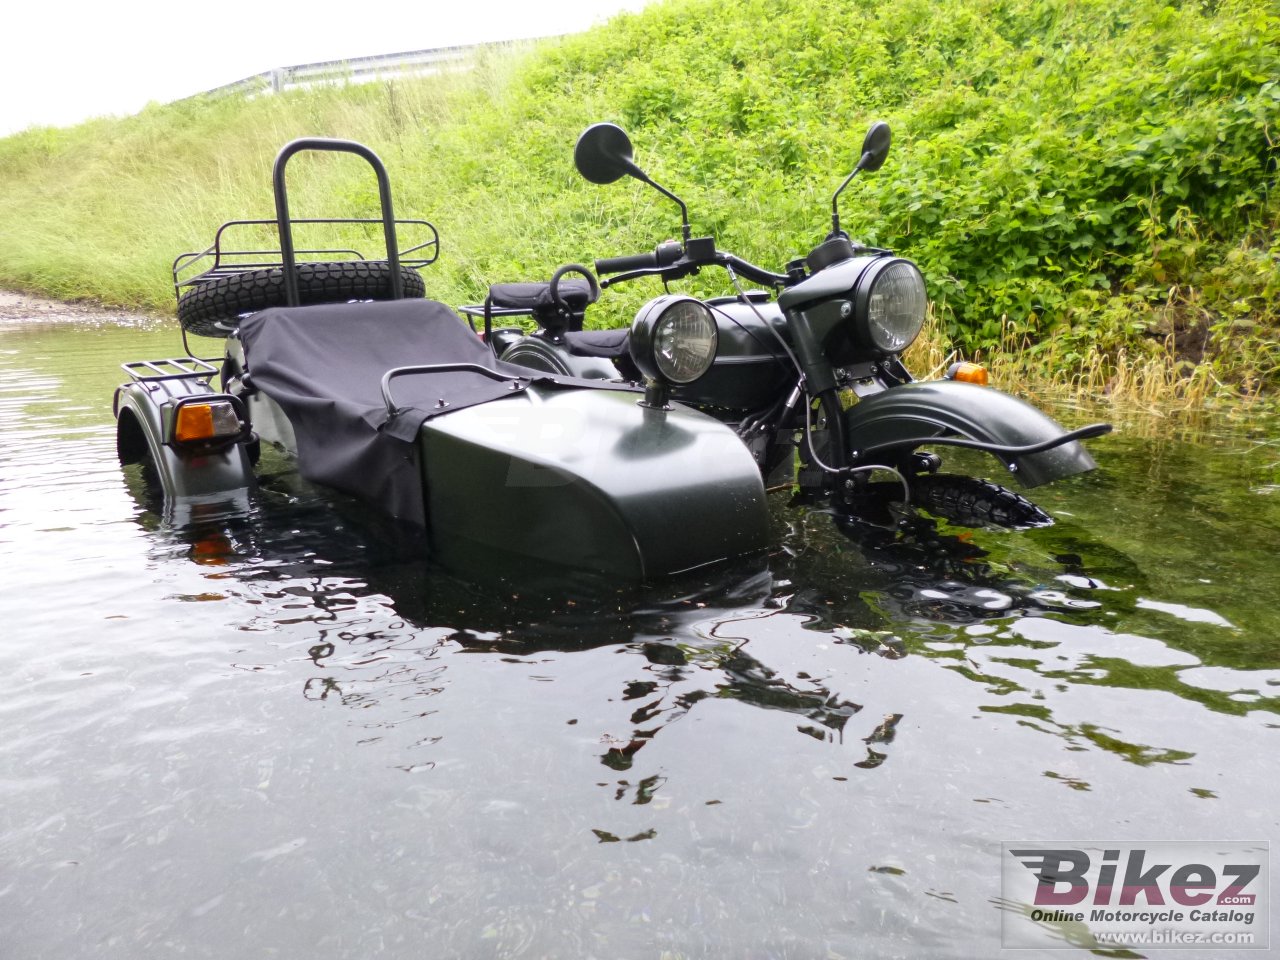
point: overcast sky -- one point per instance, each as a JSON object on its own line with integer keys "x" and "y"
{"x": 63, "y": 61}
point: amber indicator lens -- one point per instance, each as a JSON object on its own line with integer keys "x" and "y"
{"x": 205, "y": 421}
{"x": 967, "y": 372}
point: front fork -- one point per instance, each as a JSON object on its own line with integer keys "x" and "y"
{"x": 823, "y": 451}
{"x": 826, "y": 474}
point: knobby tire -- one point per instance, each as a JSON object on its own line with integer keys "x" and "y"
{"x": 215, "y": 306}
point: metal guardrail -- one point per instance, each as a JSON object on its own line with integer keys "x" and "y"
{"x": 360, "y": 69}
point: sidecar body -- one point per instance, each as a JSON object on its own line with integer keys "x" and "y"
{"x": 394, "y": 399}
{"x": 400, "y": 404}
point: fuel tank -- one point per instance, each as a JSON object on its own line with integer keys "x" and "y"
{"x": 589, "y": 479}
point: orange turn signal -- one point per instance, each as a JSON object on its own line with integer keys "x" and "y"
{"x": 205, "y": 421}
{"x": 967, "y": 372}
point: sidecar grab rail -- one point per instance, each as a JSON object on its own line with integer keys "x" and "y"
{"x": 285, "y": 225}
{"x": 394, "y": 372}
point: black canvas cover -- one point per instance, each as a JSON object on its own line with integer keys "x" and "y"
{"x": 324, "y": 366}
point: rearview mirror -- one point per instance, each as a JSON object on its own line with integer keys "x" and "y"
{"x": 875, "y": 147}
{"x": 603, "y": 154}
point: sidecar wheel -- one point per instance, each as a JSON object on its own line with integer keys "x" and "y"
{"x": 971, "y": 502}
{"x": 224, "y": 299}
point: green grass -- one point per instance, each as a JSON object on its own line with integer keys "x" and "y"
{"x": 1093, "y": 181}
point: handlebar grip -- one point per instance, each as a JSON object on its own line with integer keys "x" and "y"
{"x": 636, "y": 261}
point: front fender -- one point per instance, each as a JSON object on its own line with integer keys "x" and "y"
{"x": 913, "y": 413}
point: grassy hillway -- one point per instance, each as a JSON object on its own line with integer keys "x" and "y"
{"x": 1089, "y": 186}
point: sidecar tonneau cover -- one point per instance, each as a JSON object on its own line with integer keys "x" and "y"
{"x": 324, "y": 365}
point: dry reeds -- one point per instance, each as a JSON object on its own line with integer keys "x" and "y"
{"x": 1155, "y": 385}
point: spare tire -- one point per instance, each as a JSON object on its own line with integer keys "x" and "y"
{"x": 213, "y": 307}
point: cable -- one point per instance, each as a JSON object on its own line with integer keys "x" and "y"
{"x": 817, "y": 461}
{"x": 759, "y": 316}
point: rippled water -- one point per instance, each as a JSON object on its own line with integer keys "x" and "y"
{"x": 287, "y": 736}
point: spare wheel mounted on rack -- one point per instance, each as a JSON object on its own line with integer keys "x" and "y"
{"x": 213, "y": 306}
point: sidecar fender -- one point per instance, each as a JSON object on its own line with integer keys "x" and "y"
{"x": 143, "y": 415}
{"x": 913, "y": 413}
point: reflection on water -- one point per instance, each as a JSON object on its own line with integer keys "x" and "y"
{"x": 287, "y": 734}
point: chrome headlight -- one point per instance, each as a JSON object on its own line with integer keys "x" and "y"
{"x": 674, "y": 339}
{"x": 890, "y": 302}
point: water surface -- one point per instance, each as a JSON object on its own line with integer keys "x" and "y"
{"x": 287, "y": 735}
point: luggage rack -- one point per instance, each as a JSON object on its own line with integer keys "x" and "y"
{"x": 477, "y": 310}
{"x": 171, "y": 377}
{"x": 216, "y": 287}
{"x": 174, "y": 368}
{"x": 228, "y": 261}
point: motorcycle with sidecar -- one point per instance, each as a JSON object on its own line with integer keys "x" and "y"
{"x": 635, "y": 453}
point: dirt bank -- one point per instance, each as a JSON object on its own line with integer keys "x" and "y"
{"x": 24, "y": 307}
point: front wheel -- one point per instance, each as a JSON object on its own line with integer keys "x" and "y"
{"x": 972, "y": 502}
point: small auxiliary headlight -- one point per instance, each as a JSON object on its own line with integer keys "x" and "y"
{"x": 674, "y": 339}
{"x": 967, "y": 372}
{"x": 206, "y": 421}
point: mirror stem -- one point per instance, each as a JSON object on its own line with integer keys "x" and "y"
{"x": 684, "y": 211}
{"x": 835, "y": 200}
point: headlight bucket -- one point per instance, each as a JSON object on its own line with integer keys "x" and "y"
{"x": 674, "y": 339}
{"x": 890, "y": 304}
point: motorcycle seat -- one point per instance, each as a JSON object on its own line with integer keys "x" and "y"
{"x": 609, "y": 344}
{"x": 536, "y": 297}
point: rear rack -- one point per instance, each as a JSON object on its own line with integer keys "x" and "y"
{"x": 286, "y": 258}
{"x": 272, "y": 275}
{"x": 176, "y": 368}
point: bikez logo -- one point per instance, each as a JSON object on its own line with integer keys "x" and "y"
{"x": 1134, "y": 895}
{"x": 1065, "y": 878}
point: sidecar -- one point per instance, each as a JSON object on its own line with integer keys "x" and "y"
{"x": 385, "y": 395}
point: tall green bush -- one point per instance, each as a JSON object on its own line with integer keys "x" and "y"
{"x": 1085, "y": 174}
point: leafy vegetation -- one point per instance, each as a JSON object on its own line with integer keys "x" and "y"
{"x": 1089, "y": 186}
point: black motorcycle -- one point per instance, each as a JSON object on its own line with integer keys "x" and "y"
{"x": 815, "y": 372}
{"x": 633, "y": 454}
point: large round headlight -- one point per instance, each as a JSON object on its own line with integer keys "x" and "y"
{"x": 674, "y": 339}
{"x": 890, "y": 304}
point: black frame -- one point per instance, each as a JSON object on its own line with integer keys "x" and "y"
{"x": 234, "y": 261}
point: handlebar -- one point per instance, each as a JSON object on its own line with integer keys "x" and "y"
{"x": 637, "y": 261}
{"x": 672, "y": 260}
{"x": 753, "y": 273}
{"x": 663, "y": 255}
